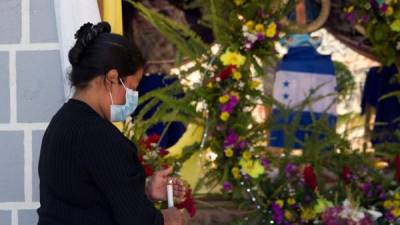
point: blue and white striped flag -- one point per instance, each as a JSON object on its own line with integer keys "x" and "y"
{"x": 303, "y": 73}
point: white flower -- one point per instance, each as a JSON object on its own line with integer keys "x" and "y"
{"x": 398, "y": 45}
{"x": 244, "y": 28}
{"x": 251, "y": 37}
{"x": 357, "y": 216}
{"x": 273, "y": 173}
{"x": 375, "y": 214}
{"x": 351, "y": 212}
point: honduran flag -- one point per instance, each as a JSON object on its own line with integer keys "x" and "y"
{"x": 302, "y": 74}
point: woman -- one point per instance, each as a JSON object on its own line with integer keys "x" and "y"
{"x": 89, "y": 172}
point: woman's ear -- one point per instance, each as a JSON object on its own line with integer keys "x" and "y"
{"x": 112, "y": 76}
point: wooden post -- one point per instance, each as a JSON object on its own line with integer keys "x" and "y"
{"x": 301, "y": 14}
{"x": 100, "y": 3}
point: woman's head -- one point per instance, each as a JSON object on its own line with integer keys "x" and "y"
{"x": 100, "y": 61}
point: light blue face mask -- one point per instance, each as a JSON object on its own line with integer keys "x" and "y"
{"x": 121, "y": 112}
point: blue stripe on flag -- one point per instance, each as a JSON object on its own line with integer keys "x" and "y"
{"x": 307, "y": 60}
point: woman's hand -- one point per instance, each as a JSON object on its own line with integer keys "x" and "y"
{"x": 172, "y": 216}
{"x": 157, "y": 187}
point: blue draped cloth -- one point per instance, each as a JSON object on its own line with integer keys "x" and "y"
{"x": 176, "y": 129}
{"x": 379, "y": 82}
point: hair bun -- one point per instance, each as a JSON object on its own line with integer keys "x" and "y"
{"x": 84, "y": 36}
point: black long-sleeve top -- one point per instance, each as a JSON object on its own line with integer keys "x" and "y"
{"x": 90, "y": 173}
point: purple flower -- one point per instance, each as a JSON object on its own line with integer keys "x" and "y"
{"x": 226, "y": 108}
{"x": 351, "y": 17}
{"x": 231, "y": 139}
{"x": 277, "y": 213}
{"x": 230, "y": 105}
{"x": 366, "y": 188}
{"x": 290, "y": 170}
{"x": 383, "y": 8}
{"x": 382, "y": 196}
{"x": 389, "y": 216}
{"x": 365, "y": 18}
{"x": 227, "y": 186}
{"x": 242, "y": 144}
{"x": 331, "y": 216}
{"x": 265, "y": 162}
{"x": 233, "y": 101}
{"x": 260, "y": 37}
{"x": 374, "y": 4}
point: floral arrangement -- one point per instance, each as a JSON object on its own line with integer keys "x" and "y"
{"x": 380, "y": 22}
{"x": 331, "y": 187}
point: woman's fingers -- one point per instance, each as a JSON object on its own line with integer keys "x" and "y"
{"x": 166, "y": 172}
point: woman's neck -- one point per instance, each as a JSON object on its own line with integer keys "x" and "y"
{"x": 89, "y": 98}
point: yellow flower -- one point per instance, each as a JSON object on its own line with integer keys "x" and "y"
{"x": 271, "y": 30}
{"x": 388, "y": 204}
{"x": 397, "y": 196}
{"x": 395, "y": 26}
{"x": 239, "y": 2}
{"x": 291, "y": 201}
{"x": 255, "y": 83}
{"x": 307, "y": 214}
{"x": 350, "y": 9}
{"x": 236, "y": 173}
{"x": 232, "y": 58}
{"x": 259, "y": 28}
{"x": 247, "y": 155}
{"x": 288, "y": 215}
{"x": 396, "y": 212}
{"x": 322, "y": 205}
{"x": 229, "y": 152}
{"x": 237, "y": 75}
{"x": 279, "y": 202}
{"x": 235, "y": 94}
{"x": 223, "y": 99}
{"x": 252, "y": 167}
{"x": 396, "y": 204}
{"x": 224, "y": 116}
{"x": 249, "y": 24}
{"x": 389, "y": 11}
{"x": 210, "y": 85}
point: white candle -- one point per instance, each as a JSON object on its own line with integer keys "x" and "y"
{"x": 170, "y": 194}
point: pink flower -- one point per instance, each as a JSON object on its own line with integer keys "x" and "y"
{"x": 163, "y": 152}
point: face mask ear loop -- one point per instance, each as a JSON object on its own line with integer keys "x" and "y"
{"x": 123, "y": 84}
{"x": 109, "y": 92}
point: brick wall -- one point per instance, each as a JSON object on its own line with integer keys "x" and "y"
{"x": 31, "y": 90}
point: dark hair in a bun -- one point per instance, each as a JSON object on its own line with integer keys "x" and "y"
{"x": 97, "y": 51}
